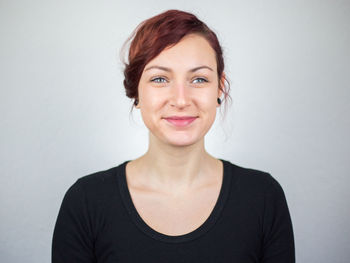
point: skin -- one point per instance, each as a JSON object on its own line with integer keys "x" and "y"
{"x": 176, "y": 162}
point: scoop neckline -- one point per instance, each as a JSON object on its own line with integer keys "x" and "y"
{"x": 199, "y": 231}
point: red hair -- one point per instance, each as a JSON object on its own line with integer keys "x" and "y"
{"x": 153, "y": 35}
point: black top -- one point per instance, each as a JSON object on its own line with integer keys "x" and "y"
{"x": 250, "y": 222}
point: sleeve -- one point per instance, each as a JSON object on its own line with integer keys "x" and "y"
{"x": 72, "y": 237}
{"x": 278, "y": 237}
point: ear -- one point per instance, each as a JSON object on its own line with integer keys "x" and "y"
{"x": 222, "y": 84}
{"x": 137, "y": 106}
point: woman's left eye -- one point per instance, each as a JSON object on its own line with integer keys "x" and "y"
{"x": 199, "y": 80}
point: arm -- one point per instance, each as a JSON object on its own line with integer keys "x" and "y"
{"x": 278, "y": 237}
{"x": 72, "y": 238}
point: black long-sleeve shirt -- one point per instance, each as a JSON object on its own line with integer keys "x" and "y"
{"x": 250, "y": 222}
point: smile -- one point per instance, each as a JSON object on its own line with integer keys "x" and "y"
{"x": 181, "y": 122}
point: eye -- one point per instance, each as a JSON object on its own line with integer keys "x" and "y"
{"x": 159, "y": 80}
{"x": 200, "y": 80}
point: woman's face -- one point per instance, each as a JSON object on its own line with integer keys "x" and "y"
{"x": 181, "y": 81}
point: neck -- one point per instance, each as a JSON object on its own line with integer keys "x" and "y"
{"x": 175, "y": 168}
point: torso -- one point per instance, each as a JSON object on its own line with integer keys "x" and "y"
{"x": 176, "y": 215}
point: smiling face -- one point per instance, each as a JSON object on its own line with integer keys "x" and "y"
{"x": 181, "y": 81}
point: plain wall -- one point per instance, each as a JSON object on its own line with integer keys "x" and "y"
{"x": 64, "y": 113}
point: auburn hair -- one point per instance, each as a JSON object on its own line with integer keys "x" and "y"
{"x": 155, "y": 34}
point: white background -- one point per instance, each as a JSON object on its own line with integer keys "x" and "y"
{"x": 64, "y": 113}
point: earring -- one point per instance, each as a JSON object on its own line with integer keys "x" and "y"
{"x": 219, "y": 100}
{"x": 136, "y": 102}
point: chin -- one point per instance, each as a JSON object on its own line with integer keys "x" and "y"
{"x": 181, "y": 142}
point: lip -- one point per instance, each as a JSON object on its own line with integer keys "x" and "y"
{"x": 180, "y": 121}
{"x": 180, "y": 117}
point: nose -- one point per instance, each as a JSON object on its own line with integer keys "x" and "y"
{"x": 180, "y": 95}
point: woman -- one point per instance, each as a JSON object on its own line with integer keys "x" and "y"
{"x": 176, "y": 203}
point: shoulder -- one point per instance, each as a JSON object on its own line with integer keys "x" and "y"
{"x": 99, "y": 178}
{"x": 97, "y": 184}
{"x": 253, "y": 181}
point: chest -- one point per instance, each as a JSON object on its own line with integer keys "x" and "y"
{"x": 175, "y": 216}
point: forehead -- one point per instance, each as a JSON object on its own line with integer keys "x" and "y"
{"x": 191, "y": 51}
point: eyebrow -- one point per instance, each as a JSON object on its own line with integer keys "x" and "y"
{"x": 169, "y": 70}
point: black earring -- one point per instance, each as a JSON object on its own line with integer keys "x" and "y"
{"x": 219, "y": 100}
{"x": 136, "y": 102}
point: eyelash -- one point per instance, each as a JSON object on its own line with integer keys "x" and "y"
{"x": 203, "y": 80}
{"x": 154, "y": 80}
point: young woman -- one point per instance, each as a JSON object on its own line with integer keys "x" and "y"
{"x": 176, "y": 203}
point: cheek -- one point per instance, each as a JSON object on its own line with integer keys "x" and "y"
{"x": 151, "y": 105}
{"x": 146, "y": 95}
{"x": 152, "y": 101}
{"x": 207, "y": 100}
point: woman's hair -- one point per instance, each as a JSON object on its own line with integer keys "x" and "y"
{"x": 155, "y": 34}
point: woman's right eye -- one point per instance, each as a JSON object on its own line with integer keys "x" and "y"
{"x": 158, "y": 80}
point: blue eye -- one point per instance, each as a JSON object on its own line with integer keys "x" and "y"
{"x": 200, "y": 80}
{"x": 159, "y": 80}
